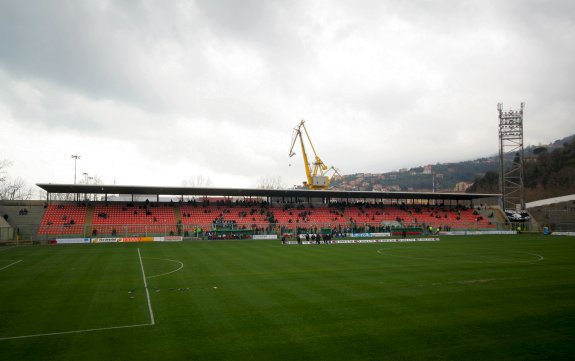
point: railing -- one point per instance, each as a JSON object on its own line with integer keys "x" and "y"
{"x": 195, "y": 230}
{"x": 32, "y": 231}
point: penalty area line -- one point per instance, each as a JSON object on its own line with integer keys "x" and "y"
{"x": 11, "y": 264}
{"x": 70, "y": 332}
{"x": 7, "y": 248}
{"x": 152, "y": 320}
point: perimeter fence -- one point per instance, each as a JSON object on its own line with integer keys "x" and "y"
{"x": 206, "y": 231}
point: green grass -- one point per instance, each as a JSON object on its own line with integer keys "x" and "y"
{"x": 496, "y": 297}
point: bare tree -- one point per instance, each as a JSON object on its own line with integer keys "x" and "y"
{"x": 4, "y": 164}
{"x": 42, "y": 194}
{"x": 198, "y": 181}
{"x": 13, "y": 189}
{"x": 91, "y": 180}
{"x": 62, "y": 196}
{"x": 270, "y": 182}
{"x": 97, "y": 180}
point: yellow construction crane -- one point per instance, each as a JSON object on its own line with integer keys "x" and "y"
{"x": 317, "y": 178}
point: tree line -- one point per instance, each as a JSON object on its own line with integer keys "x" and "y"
{"x": 546, "y": 174}
{"x": 12, "y": 188}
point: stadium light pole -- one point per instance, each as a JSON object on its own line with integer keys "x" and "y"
{"x": 89, "y": 181}
{"x": 75, "y": 157}
{"x": 85, "y": 174}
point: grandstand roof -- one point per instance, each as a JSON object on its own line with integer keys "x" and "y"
{"x": 252, "y": 192}
{"x": 549, "y": 201}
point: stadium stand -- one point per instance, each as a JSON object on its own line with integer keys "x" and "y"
{"x": 556, "y": 213}
{"x": 131, "y": 219}
{"x": 126, "y": 219}
{"x": 63, "y": 219}
{"x": 205, "y": 215}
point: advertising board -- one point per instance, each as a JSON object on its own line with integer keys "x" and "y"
{"x": 265, "y": 236}
{"x": 72, "y": 240}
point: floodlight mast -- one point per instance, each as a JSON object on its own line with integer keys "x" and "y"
{"x": 511, "y": 148}
{"x": 75, "y": 157}
{"x": 317, "y": 178}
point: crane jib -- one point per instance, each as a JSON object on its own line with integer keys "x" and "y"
{"x": 317, "y": 177}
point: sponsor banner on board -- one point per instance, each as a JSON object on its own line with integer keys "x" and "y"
{"x": 129, "y": 239}
{"x": 361, "y": 235}
{"x": 173, "y": 238}
{"x": 303, "y": 235}
{"x": 357, "y": 241}
{"x": 366, "y": 235}
{"x": 475, "y": 233}
{"x": 381, "y": 234}
{"x": 135, "y": 239}
{"x": 563, "y": 233}
{"x": 356, "y": 235}
{"x": 370, "y": 234}
{"x": 265, "y": 236}
{"x": 72, "y": 240}
{"x": 104, "y": 240}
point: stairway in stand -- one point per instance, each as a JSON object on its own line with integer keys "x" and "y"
{"x": 88, "y": 221}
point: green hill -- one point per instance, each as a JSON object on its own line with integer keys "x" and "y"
{"x": 548, "y": 172}
{"x": 481, "y": 172}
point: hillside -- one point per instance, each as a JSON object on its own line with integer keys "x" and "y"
{"x": 445, "y": 176}
{"x": 549, "y": 172}
{"x": 441, "y": 176}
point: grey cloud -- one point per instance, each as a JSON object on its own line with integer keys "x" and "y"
{"x": 95, "y": 50}
{"x": 127, "y": 69}
{"x": 237, "y": 17}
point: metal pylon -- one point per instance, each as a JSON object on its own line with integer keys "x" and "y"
{"x": 511, "y": 158}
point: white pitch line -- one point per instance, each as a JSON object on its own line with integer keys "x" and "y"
{"x": 152, "y": 321}
{"x": 539, "y": 257}
{"x": 167, "y": 273}
{"x": 69, "y": 332}
{"x": 7, "y": 248}
{"x": 11, "y": 264}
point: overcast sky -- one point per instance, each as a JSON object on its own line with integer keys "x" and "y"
{"x": 155, "y": 92}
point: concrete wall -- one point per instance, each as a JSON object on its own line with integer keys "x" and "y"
{"x": 26, "y": 226}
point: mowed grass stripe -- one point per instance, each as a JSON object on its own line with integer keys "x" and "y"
{"x": 70, "y": 288}
{"x": 460, "y": 298}
{"x": 398, "y": 275}
{"x": 246, "y": 308}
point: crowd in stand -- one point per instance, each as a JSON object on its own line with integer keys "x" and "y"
{"x": 339, "y": 218}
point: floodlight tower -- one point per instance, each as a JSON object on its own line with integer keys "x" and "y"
{"x": 75, "y": 157}
{"x": 511, "y": 158}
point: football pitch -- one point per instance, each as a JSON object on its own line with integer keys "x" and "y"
{"x": 475, "y": 297}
